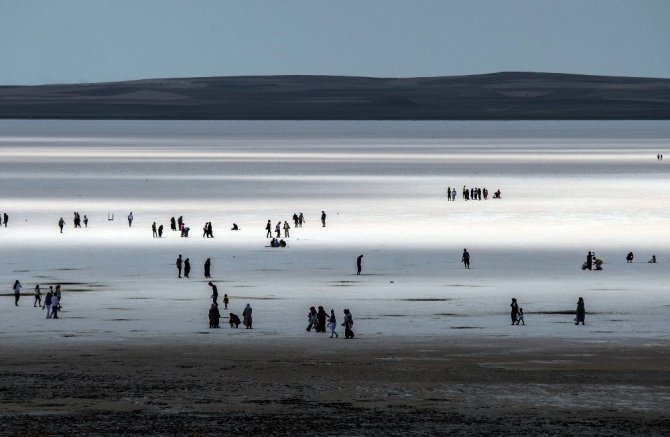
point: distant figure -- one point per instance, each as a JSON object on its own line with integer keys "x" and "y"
{"x": 246, "y": 317}
{"x": 5, "y": 218}
{"x": 311, "y": 319}
{"x": 348, "y": 324}
{"x": 47, "y": 303}
{"x": 581, "y": 312}
{"x": 652, "y": 260}
{"x": 359, "y": 262}
{"x": 301, "y": 219}
{"x": 38, "y": 297}
{"x": 55, "y": 306}
{"x": 589, "y": 261}
{"x": 160, "y": 231}
{"x": 234, "y": 320}
{"x": 323, "y": 219}
{"x": 61, "y": 223}
{"x": 154, "y": 229}
{"x": 332, "y": 324}
{"x": 130, "y": 219}
{"x": 515, "y": 312}
{"x": 179, "y": 263}
{"x": 234, "y": 228}
{"x": 225, "y": 301}
{"x": 598, "y": 263}
{"x": 497, "y": 194}
{"x": 208, "y": 263}
{"x": 453, "y": 194}
{"x": 187, "y": 267}
{"x": 321, "y": 315}
{"x": 268, "y": 228}
{"x": 282, "y": 243}
{"x": 214, "y": 316}
{"x": 17, "y": 292}
{"x": 210, "y": 231}
{"x": 449, "y": 193}
{"x": 215, "y": 292}
{"x": 465, "y": 259}
{"x": 278, "y": 229}
{"x": 274, "y": 243}
{"x": 180, "y": 221}
{"x": 295, "y": 220}
{"x": 85, "y": 221}
{"x": 629, "y": 258}
{"x": 520, "y": 317}
{"x": 58, "y": 295}
{"x": 173, "y": 224}
{"x": 286, "y": 229}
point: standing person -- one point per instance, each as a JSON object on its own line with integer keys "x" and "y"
{"x": 17, "y": 292}
{"x": 515, "y": 312}
{"x": 55, "y": 306}
{"x": 6, "y": 218}
{"x": 208, "y": 263}
{"x": 321, "y": 316}
{"x": 589, "y": 261}
{"x": 247, "y": 320}
{"x": 301, "y": 220}
{"x": 278, "y": 229}
{"x": 453, "y": 194}
{"x": 173, "y": 224}
{"x": 85, "y": 221}
{"x": 215, "y": 292}
{"x": 332, "y": 324}
{"x": 225, "y": 301}
{"x": 348, "y": 324}
{"x": 180, "y": 221}
{"x": 214, "y": 316}
{"x": 130, "y": 219}
{"x": 179, "y": 265}
{"x": 323, "y": 219}
{"x": 581, "y": 312}
{"x": 187, "y": 267}
{"x": 58, "y": 295}
{"x": 520, "y": 317}
{"x": 268, "y": 228}
{"x": 61, "y": 223}
{"x": 359, "y": 262}
{"x": 286, "y": 229}
{"x": 465, "y": 259}
{"x": 311, "y": 319}
{"x": 160, "y": 231}
{"x": 295, "y": 220}
{"x": 154, "y": 230}
{"x": 47, "y": 303}
{"x": 38, "y": 297}
{"x": 210, "y": 232}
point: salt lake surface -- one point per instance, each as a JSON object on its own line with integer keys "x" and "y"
{"x": 568, "y": 187}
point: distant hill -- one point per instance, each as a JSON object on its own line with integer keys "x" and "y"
{"x": 499, "y": 96}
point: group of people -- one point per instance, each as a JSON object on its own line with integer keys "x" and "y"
{"x": 277, "y": 243}
{"x": 472, "y": 193}
{"x": 207, "y": 230}
{"x": 233, "y": 319}
{"x": 185, "y": 266}
{"x": 593, "y": 262}
{"x": 298, "y": 220}
{"x": 317, "y": 319}
{"x": 52, "y": 300}
{"x": 659, "y": 157}
{"x": 77, "y": 220}
{"x": 278, "y": 229}
{"x": 517, "y": 312}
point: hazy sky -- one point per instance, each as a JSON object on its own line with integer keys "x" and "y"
{"x": 65, "y": 41}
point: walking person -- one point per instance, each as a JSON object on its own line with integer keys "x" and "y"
{"x": 515, "y": 312}
{"x": 160, "y": 231}
{"x": 332, "y": 324}
{"x": 187, "y": 267}
{"x": 215, "y": 292}
{"x": 321, "y": 316}
{"x": 348, "y": 324}
{"x": 268, "y": 228}
{"x": 130, "y": 219}
{"x": 286, "y": 229}
{"x": 55, "y": 307}
{"x": 38, "y": 297}
{"x": 61, "y": 223}
{"x": 520, "y": 317}
{"x": 17, "y": 292}
{"x": 58, "y": 295}
{"x": 47, "y": 303}
{"x": 311, "y": 319}
{"x": 5, "y": 218}
{"x": 85, "y": 221}
{"x": 323, "y": 219}
{"x": 589, "y": 261}
{"x": 580, "y": 312}
{"x": 154, "y": 230}
{"x": 359, "y": 262}
{"x": 179, "y": 263}
{"x": 225, "y": 301}
{"x": 278, "y": 229}
{"x": 465, "y": 259}
{"x": 301, "y": 220}
{"x": 173, "y": 224}
{"x": 246, "y": 317}
{"x": 207, "y": 265}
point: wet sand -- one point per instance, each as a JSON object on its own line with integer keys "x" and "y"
{"x": 387, "y": 386}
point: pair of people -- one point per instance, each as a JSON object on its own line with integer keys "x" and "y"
{"x": 247, "y": 319}
{"x": 517, "y": 313}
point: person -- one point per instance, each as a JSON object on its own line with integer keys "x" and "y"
{"x": 85, "y": 221}
{"x": 38, "y": 297}
{"x": 282, "y": 243}
{"x": 235, "y": 228}
{"x": 61, "y": 223}
{"x": 520, "y": 317}
{"x": 214, "y": 316}
{"x": 581, "y": 312}
{"x": 55, "y": 306}
{"x": 589, "y": 261}
{"x": 47, "y": 303}
{"x": 234, "y": 320}
{"x": 187, "y": 267}
{"x": 449, "y": 193}
{"x": 274, "y": 243}
{"x": 311, "y": 319}
{"x": 268, "y": 228}
{"x": 247, "y": 320}
{"x": 332, "y": 324}
{"x": 208, "y": 263}
{"x": 359, "y": 262}
{"x": 215, "y": 292}
{"x": 465, "y": 259}
{"x": 515, "y": 312}
{"x": 154, "y": 229}
{"x": 323, "y": 219}
{"x": 453, "y": 194}
{"x": 173, "y": 224}
{"x": 160, "y": 231}
{"x": 180, "y": 221}
{"x": 629, "y": 258}
{"x": 496, "y": 195}
{"x": 278, "y": 229}
{"x": 6, "y": 218}
{"x": 286, "y": 229}
{"x": 210, "y": 231}
{"x": 321, "y": 316}
{"x": 179, "y": 265}
{"x": 598, "y": 263}
{"x": 348, "y": 324}
{"x": 301, "y": 219}
{"x": 130, "y": 219}
{"x": 58, "y": 295}
{"x": 225, "y": 301}
{"x": 204, "y": 230}
{"x": 652, "y": 260}
{"x": 17, "y": 292}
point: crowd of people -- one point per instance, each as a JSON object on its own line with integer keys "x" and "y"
{"x": 473, "y": 193}
{"x": 317, "y": 319}
{"x": 52, "y": 300}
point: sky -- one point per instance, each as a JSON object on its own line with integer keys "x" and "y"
{"x": 79, "y": 41}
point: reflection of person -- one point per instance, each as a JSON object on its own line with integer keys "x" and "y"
{"x": 581, "y": 312}
{"x": 359, "y": 261}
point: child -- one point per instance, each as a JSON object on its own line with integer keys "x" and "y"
{"x": 519, "y": 317}
{"x": 225, "y": 301}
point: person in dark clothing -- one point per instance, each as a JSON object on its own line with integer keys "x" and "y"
{"x": 17, "y": 292}
{"x": 465, "y": 259}
{"x": 515, "y": 312}
{"x": 5, "y": 218}
{"x": 225, "y": 301}
{"x": 210, "y": 232}
{"x": 215, "y": 292}
{"x": 179, "y": 262}
{"x": 235, "y": 227}
{"x": 154, "y": 229}
{"x": 348, "y": 324}
{"x": 323, "y": 219}
{"x": 359, "y": 262}
{"x": 214, "y": 316}
{"x": 208, "y": 263}
{"x": 581, "y": 312}
{"x": 629, "y": 258}
{"x": 180, "y": 221}
{"x": 38, "y": 297}
{"x": 130, "y": 219}
{"x": 321, "y": 316}
{"x": 187, "y": 267}
{"x": 160, "y": 231}
{"x": 173, "y": 224}
{"x": 311, "y": 319}
{"x": 589, "y": 261}
{"x": 268, "y": 228}
{"x": 61, "y": 223}
{"x": 234, "y": 320}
